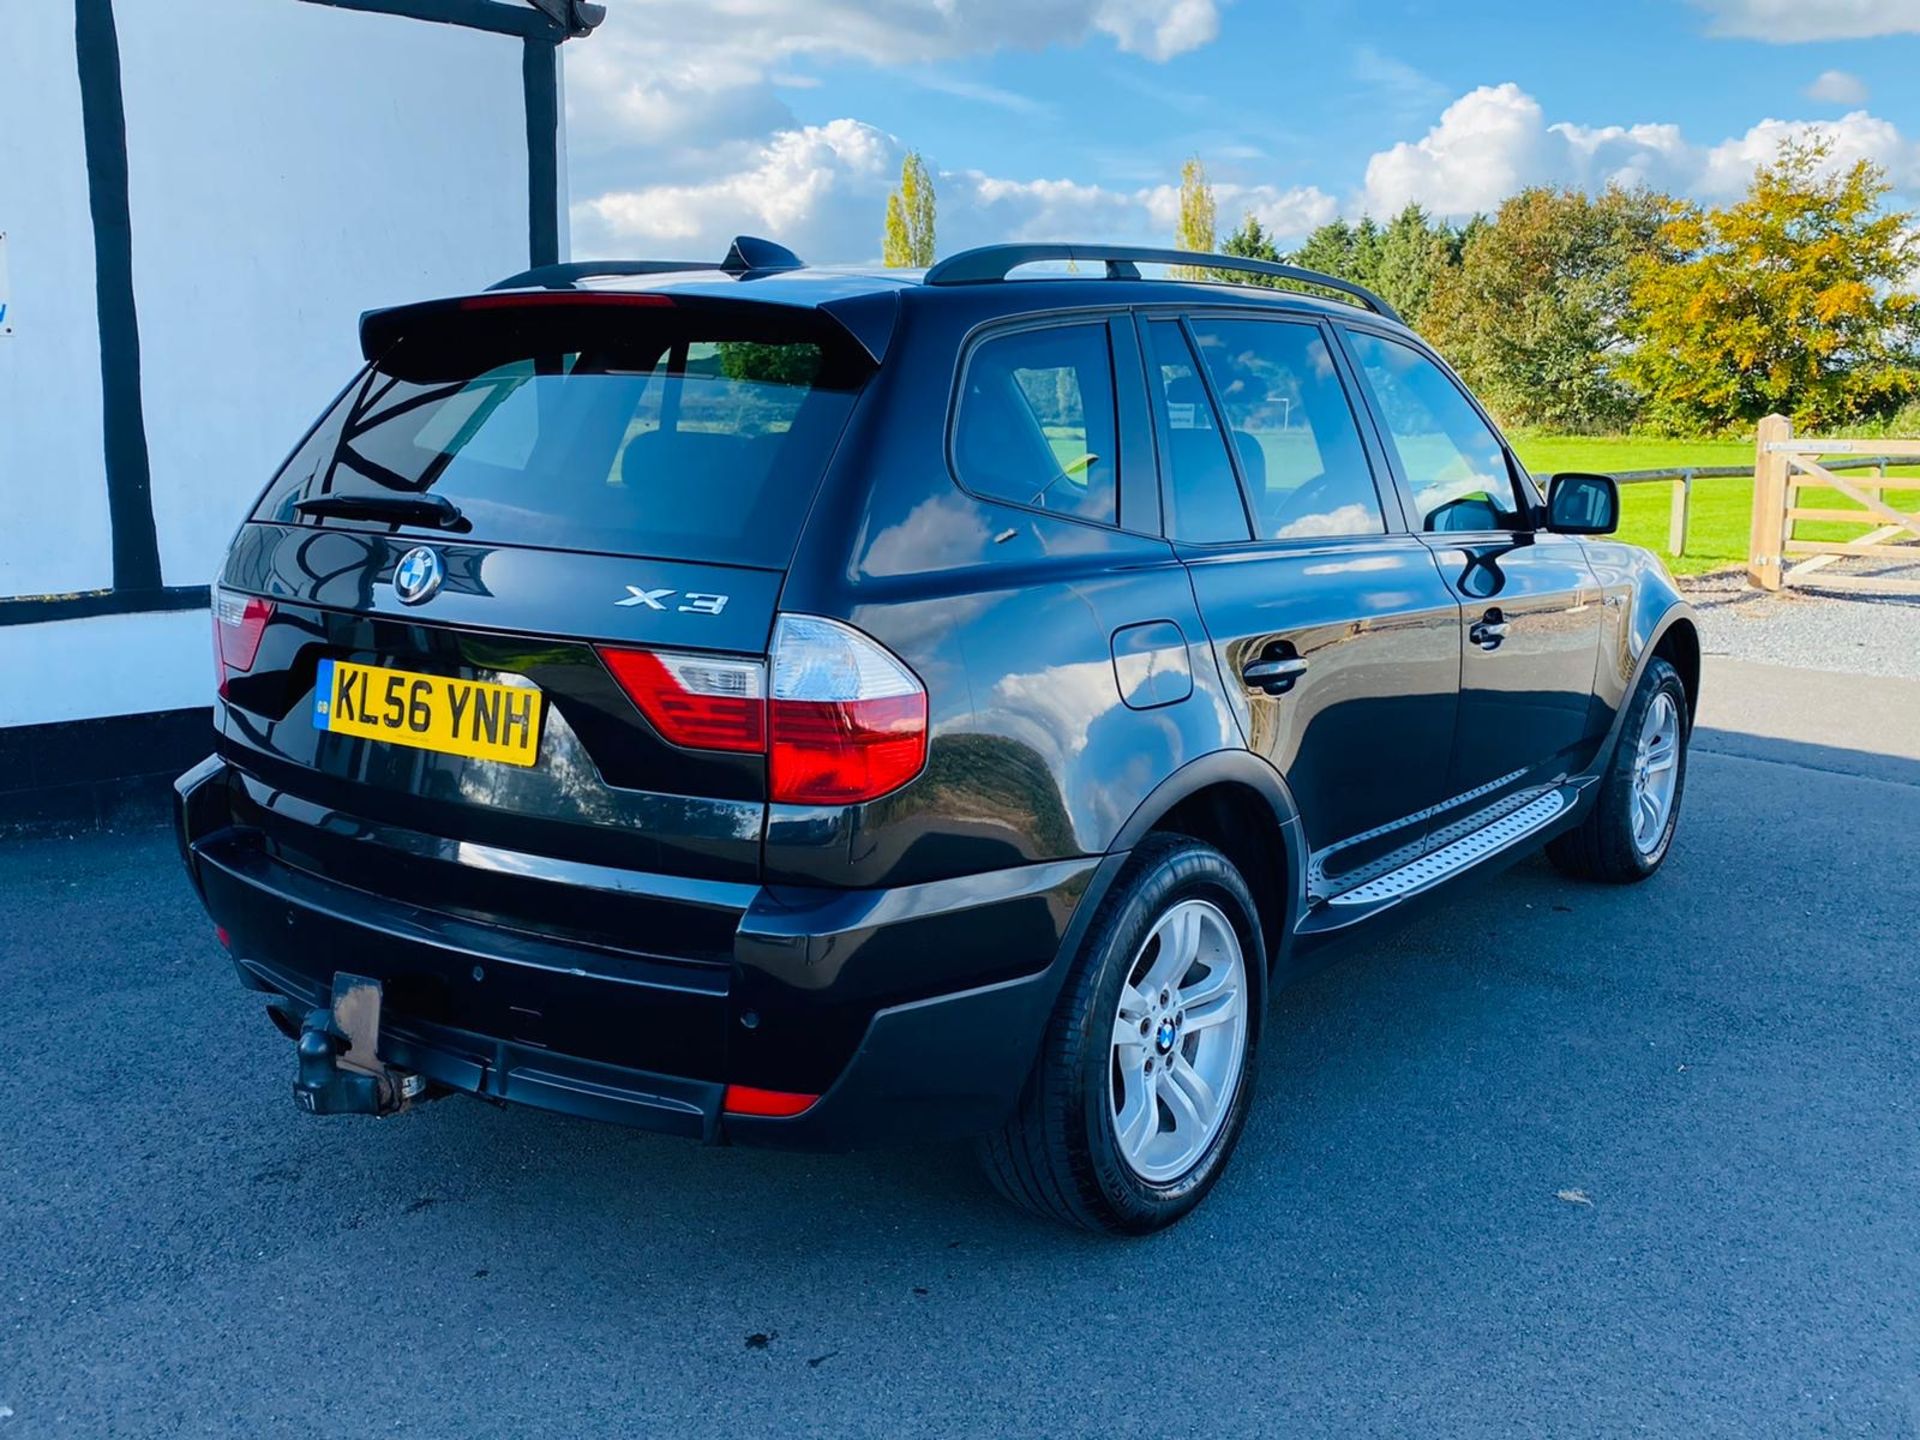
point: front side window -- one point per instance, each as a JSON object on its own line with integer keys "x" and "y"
{"x": 1036, "y": 425}
{"x": 1300, "y": 449}
{"x": 1454, "y": 463}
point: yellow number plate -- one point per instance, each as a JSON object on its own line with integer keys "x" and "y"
{"x": 430, "y": 712}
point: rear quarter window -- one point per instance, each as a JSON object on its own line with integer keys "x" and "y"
{"x": 1036, "y": 421}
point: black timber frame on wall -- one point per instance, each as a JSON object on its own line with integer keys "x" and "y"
{"x": 137, "y": 587}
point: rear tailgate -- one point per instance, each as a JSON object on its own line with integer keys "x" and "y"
{"x": 566, "y": 479}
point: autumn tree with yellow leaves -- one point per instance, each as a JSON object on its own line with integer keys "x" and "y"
{"x": 1797, "y": 299}
{"x": 910, "y": 216}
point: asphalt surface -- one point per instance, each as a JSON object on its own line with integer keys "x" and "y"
{"x": 1552, "y": 1160}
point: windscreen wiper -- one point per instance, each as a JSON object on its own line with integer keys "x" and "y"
{"x": 434, "y": 510}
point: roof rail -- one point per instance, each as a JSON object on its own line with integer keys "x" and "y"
{"x": 994, "y": 262}
{"x": 747, "y": 255}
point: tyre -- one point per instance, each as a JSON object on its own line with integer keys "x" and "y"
{"x": 1145, "y": 1075}
{"x": 1627, "y": 833}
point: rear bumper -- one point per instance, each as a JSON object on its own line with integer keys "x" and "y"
{"x": 911, "y": 1012}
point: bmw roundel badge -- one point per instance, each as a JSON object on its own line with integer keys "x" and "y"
{"x": 417, "y": 575}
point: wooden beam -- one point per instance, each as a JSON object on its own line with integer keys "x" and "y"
{"x": 1821, "y": 562}
{"x": 1908, "y": 553}
{"x": 1861, "y": 584}
{"x": 1857, "y": 517}
{"x": 1807, "y": 445}
{"x": 1678, "y": 510}
{"x": 1853, "y": 492}
{"x": 1769, "y": 525}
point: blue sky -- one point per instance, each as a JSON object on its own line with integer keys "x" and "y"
{"x": 1070, "y": 118}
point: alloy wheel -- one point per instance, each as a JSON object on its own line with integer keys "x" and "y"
{"x": 1656, "y": 772}
{"x": 1179, "y": 1040}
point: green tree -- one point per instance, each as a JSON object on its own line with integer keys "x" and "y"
{"x": 1534, "y": 314}
{"x": 1796, "y": 299}
{"x": 1345, "y": 251}
{"x": 1250, "y": 242}
{"x": 1413, "y": 253}
{"x": 1194, "y": 230}
{"x": 909, "y": 238}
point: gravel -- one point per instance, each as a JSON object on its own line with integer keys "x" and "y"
{"x": 1804, "y": 627}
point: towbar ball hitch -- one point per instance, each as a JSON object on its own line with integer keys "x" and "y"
{"x": 338, "y": 1072}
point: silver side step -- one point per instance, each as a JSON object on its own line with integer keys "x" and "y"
{"x": 1450, "y": 859}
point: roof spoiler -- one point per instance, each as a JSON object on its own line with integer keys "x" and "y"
{"x": 747, "y": 256}
{"x": 994, "y": 262}
{"x": 867, "y": 318}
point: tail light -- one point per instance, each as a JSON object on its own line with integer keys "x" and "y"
{"x": 238, "y": 623}
{"x": 695, "y": 700}
{"x": 842, "y": 721}
{"x": 849, "y": 721}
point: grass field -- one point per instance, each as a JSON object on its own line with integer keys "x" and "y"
{"x": 1722, "y": 509}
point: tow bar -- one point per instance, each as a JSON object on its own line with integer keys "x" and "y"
{"x": 339, "y": 1072}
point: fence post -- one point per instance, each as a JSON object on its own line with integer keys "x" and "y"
{"x": 1677, "y": 514}
{"x": 1767, "y": 537}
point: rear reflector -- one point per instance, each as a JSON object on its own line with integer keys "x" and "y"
{"x": 845, "y": 721}
{"x": 775, "y": 1104}
{"x": 238, "y": 623}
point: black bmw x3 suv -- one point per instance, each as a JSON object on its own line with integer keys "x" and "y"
{"x": 806, "y": 707}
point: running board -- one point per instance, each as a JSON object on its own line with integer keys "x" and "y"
{"x": 1450, "y": 860}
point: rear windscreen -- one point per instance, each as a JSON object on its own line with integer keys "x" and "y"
{"x": 686, "y": 433}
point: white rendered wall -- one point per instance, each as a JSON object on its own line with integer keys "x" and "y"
{"x": 105, "y": 665}
{"x": 53, "y": 480}
{"x": 290, "y": 165}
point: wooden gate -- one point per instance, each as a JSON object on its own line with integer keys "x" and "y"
{"x": 1783, "y": 466}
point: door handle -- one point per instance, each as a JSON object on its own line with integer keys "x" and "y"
{"x": 1276, "y": 677}
{"x": 1490, "y": 631}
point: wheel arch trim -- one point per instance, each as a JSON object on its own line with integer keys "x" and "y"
{"x": 1676, "y": 613}
{"x": 1246, "y": 771}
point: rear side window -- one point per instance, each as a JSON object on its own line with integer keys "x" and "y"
{"x": 1036, "y": 421}
{"x": 1203, "y": 498}
{"x": 1300, "y": 450}
{"x": 686, "y": 432}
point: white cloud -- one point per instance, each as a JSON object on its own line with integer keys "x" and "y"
{"x": 1854, "y": 137}
{"x": 1788, "y": 21}
{"x": 1837, "y": 87}
{"x": 1288, "y": 213}
{"x": 1496, "y": 139}
{"x": 1487, "y": 144}
{"x": 802, "y": 187}
{"x": 822, "y": 189}
{"x": 1156, "y": 28}
{"x": 706, "y": 73}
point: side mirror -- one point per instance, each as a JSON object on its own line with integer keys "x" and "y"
{"x": 1580, "y": 504}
